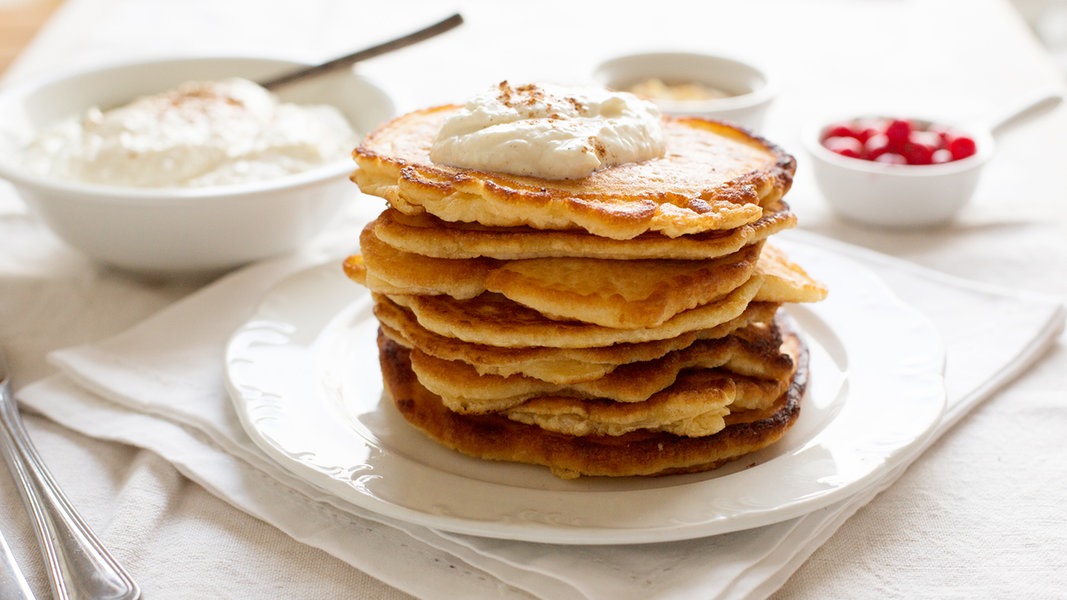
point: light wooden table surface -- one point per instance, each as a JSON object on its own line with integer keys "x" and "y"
{"x": 19, "y": 21}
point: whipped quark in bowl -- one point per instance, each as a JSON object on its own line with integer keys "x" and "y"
{"x": 202, "y": 133}
{"x": 167, "y": 177}
{"x": 550, "y": 131}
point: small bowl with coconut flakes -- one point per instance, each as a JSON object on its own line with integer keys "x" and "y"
{"x": 685, "y": 83}
{"x": 185, "y": 166}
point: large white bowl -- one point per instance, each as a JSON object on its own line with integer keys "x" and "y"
{"x": 896, "y": 196}
{"x": 751, "y": 86}
{"x": 180, "y": 231}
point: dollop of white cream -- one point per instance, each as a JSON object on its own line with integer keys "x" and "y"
{"x": 550, "y": 131}
{"x": 202, "y": 133}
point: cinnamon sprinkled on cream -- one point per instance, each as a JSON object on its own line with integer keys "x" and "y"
{"x": 549, "y": 131}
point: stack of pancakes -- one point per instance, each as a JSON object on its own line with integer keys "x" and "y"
{"x": 626, "y": 323}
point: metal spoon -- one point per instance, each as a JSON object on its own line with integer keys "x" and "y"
{"x": 350, "y": 59}
{"x": 79, "y": 567}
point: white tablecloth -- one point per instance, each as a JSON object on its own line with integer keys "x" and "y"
{"x": 979, "y": 514}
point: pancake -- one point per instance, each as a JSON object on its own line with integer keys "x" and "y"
{"x": 784, "y": 281}
{"x": 627, "y": 294}
{"x": 494, "y": 320}
{"x": 426, "y": 235}
{"x": 641, "y": 452}
{"x": 696, "y": 406}
{"x": 612, "y": 293}
{"x": 623, "y": 294}
{"x": 751, "y": 353}
{"x": 392, "y": 271}
{"x": 554, "y": 365}
{"x": 714, "y": 177}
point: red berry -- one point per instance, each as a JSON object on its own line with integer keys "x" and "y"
{"x": 961, "y": 147}
{"x": 875, "y": 146}
{"x": 898, "y": 131}
{"x": 863, "y": 129}
{"x": 917, "y": 154}
{"x": 839, "y": 130}
{"x": 845, "y": 146}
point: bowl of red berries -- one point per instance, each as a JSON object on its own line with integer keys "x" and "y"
{"x": 895, "y": 171}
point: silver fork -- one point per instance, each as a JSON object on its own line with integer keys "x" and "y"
{"x": 79, "y": 567}
{"x": 13, "y": 584}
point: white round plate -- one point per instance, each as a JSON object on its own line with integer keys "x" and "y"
{"x": 305, "y": 380}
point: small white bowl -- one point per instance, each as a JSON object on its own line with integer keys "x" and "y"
{"x": 896, "y": 196}
{"x": 182, "y": 231}
{"x": 751, "y": 88}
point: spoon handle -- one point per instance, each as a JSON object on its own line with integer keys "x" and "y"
{"x": 79, "y": 566}
{"x": 1041, "y": 99}
{"x": 349, "y": 59}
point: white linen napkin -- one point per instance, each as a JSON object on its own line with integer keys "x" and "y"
{"x": 159, "y": 386}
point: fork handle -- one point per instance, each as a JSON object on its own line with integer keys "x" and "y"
{"x": 79, "y": 566}
{"x": 12, "y": 582}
